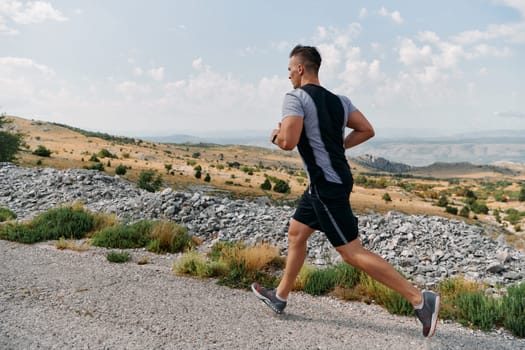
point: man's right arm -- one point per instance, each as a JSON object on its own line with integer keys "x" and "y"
{"x": 362, "y": 129}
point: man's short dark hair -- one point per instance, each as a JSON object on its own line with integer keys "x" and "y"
{"x": 309, "y": 56}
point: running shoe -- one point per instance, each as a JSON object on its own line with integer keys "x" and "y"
{"x": 428, "y": 314}
{"x": 267, "y": 295}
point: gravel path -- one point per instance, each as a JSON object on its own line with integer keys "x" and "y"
{"x": 51, "y": 299}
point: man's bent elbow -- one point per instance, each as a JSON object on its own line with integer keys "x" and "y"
{"x": 287, "y": 146}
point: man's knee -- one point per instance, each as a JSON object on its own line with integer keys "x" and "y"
{"x": 351, "y": 251}
{"x": 298, "y": 233}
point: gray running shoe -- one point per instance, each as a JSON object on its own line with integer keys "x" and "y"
{"x": 428, "y": 315}
{"x": 267, "y": 295}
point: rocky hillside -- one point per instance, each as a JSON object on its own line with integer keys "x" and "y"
{"x": 426, "y": 248}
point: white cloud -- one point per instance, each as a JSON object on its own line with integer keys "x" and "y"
{"x": 410, "y": 54}
{"x": 341, "y": 38}
{"x": 138, "y": 71}
{"x": 30, "y": 12}
{"x": 14, "y": 63}
{"x": 357, "y": 71}
{"x": 511, "y": 32}
{"x": 394, "y": 15}
{"x": 363, "y": 13}
{"x": 198, "y": 65}
{"x": 157, "y": 73}
{"x": 26, "y": 13}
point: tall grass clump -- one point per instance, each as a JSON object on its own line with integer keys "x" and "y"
{"x": 167, "y": 237}
{"x": 70, "y": 222}
{"x": 6, "y": 214}
{"x": 321, "y": 281}
{"x": 474, "y": 309}
{"x": 248, "y": 264}
{"x": 513, "y": 310}
{"x": 235, "y": 264}
{"x": 449, "y": 290}
{"x": 127, "y": 236}
{"x": 192, "y": 263}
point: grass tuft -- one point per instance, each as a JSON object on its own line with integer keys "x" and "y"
{"x": 6, "y": 214}
{"x": 167, "y": 237}
{"x": 118, "y": 257}
{"x": 63, "y": 244}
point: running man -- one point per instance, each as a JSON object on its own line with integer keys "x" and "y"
{"x": 314, "y": 120}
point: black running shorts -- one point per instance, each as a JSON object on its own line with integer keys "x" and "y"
{"x": 327, "y": 209}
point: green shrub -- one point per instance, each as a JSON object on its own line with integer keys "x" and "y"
{"x": 124, "y": 236}
{"x": 281, "y": 186}
{"x": 321, "y": 281}
{"x": 266, "y": 185}
{"x": 479, "y": 208}
{"x": 42, "y": 151}
{"x": 386, "y": 197}
{"x": 121, "y": 170}
{"x": 397, "y": 305}
{"x": 66, "y": 222}
{"x": 167, "y": 237}
{"x": 104, "y": 153}
{"x": 513, "y": 310}
{"x": 147, "y": 181}
{"x": 96, "y": 166}
{"x": 451, "y": 210}
{"x": 464, "y": 212}
{"x": 347, "y": 275}
{"x": 442, "y": 202}
{"x": 207, "y": 178}
{"x": 118, "y": 257}
{"x": 6, "y": 214}
{"x": 476, "y": 309}
{"x": 94, "y": 158}
{"x": 9, "y": 142}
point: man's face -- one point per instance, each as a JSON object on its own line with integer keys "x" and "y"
{"x": 295, "y": 70}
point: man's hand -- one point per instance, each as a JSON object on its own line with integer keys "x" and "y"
{"x": 288, "y": 133}
{"x": 362, "y": 129}
{"x": 275, "y": 132}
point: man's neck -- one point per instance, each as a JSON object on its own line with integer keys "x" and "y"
{"x": 311, "y": 80}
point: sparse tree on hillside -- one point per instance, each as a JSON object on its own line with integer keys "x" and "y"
{"x": 42, "y": 151}
{"x": 149, "y": 182}
{"x": 443, "y": 201}
{"x": 386, "y": 197}
{"x": 266, "y": 185}
{"x": 168, "y": 167}
{"x": 9, "y": 142}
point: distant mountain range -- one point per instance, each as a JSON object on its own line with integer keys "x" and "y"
{"x": 481, "y": 147}
{"x": 438, "y": 168}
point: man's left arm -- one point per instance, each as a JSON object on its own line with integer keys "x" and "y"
{"x": 287, "y": 135}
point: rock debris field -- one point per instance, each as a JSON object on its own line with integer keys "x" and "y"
{"x": 71, "y": 300}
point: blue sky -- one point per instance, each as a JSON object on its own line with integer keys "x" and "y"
{"x": 165, "y": 67}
